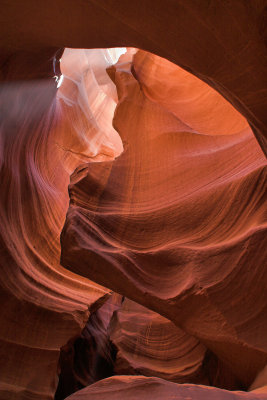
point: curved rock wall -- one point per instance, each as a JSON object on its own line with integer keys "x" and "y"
{"x": 177, "y": 223}
{"x": 150, "y": 345}
{"x": 146, "y": 388}
{"x": 42, "y": 304}
{"x": 223, "y": 43}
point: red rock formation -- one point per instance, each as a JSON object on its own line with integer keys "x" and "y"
{"x": 90, "y": 356}
{"x": 143, "y": 388}
{"x": 42, "y": 304}
{"x": 202, "y": 109}
{"x": 176, "y": 172}
{"x": 175, "y": 220}
{"x": 222, "y": 43}
{"x": 150, "y": 345}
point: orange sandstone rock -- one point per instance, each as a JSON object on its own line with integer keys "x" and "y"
{"x": 143, "y": 388}
{"x": 177, "y": 223}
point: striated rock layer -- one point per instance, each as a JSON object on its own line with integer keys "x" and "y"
{"x": 177, "y": 223}
{"x": 132, "y": 387}
{"x": 148, "y": 344}
{"x": 204, "y": 222}
{"x": 125, "y": 338}
{"x": 90, "y": 356}
{"x": 42, "y": 304}
{"x": 223, "y": 43}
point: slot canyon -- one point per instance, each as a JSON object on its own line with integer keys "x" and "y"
{"x": 133, "y": 246}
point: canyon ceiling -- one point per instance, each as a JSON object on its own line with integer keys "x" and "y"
{"x": 133, "y": 142}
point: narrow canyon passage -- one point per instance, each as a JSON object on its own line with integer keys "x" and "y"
{"x": 167, "y": 224}
{"x": 133, "y": 201}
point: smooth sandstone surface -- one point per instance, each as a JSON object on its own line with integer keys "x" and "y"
{"x": 143, "y": 388}
{"x": 149, "y": 344}
{"x": 45, "y": 134}
{"x": 90, "y": 356}
{"x": 177, "y": 223}
{"x": 223, "y": 43}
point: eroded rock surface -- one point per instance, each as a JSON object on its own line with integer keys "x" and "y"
{"x": 150, "y": 345}
{"x": 187, "y": 194}
{"x": 43, "y": 305}
{"x": 177, "y": 223}
{"x": 144, "y": 388}
{"x": 90, "y": 356}
{"x": 222, "y": 43}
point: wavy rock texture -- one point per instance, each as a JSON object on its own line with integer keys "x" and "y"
{"x": 122, "y": 337}
{"x": 90, "y": 356}
{"x": 132, "y": 387}
{"x": 178, "y": 196}
{"x": 42, "y": 304}
{"x": 223, "y": 43}
{"x": 150, "y": 345}
{"x": 177, "y": 222}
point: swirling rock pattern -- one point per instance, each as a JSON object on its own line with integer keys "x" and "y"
{"x": 144, "y": 388}
{"x": 222, "y": 43}
{"x": 148, "y": 344}
{"x": 177, "y": 223}
{"x": 42, "y": 304}
{"x": 44, "y": 137}
{"x": 90, "y": 356}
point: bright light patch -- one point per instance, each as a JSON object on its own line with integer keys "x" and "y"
{"x": 116, "y": 53}
{"x": 59, "y": 80}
